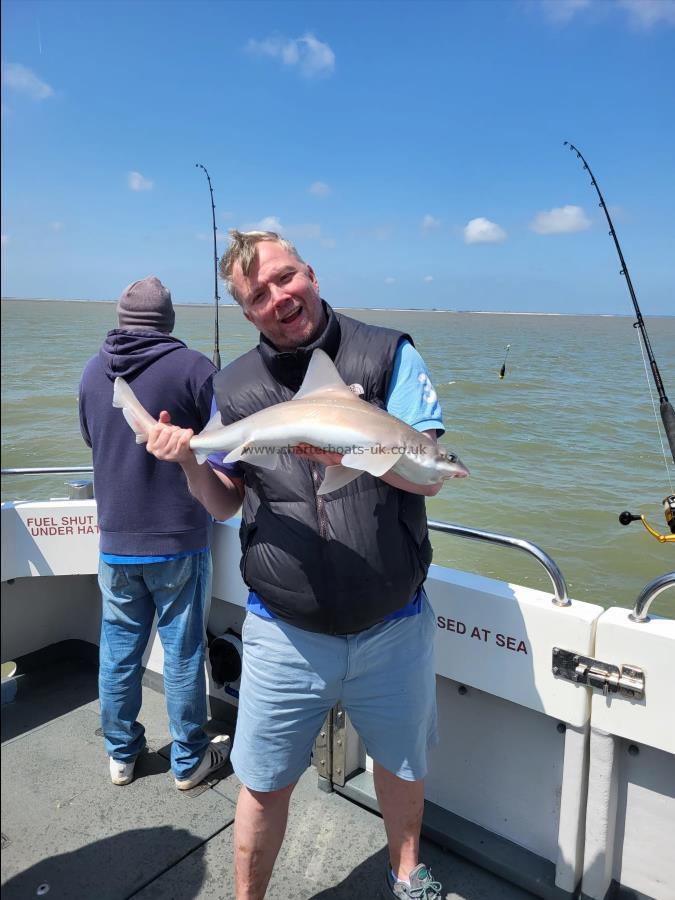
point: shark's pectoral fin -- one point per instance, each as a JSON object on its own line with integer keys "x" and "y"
{"x": 247, "y": 453}
{"x": 337, "y": 477}
{"x": 377, "y": 464}
{"x": 264, "y": 460}
{"x": 235, "y": 455}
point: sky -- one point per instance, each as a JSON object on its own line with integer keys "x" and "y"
{"x": 413, "y": 151}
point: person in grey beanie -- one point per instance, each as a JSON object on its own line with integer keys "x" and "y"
{"x": 154, "y": 537}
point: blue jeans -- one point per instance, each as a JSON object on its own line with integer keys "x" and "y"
{"x": 176, "y": 591}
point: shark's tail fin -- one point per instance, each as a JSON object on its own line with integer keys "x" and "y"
{"x": 138, "y": 418}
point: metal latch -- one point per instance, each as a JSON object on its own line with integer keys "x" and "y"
{"x": 610, "y": 679}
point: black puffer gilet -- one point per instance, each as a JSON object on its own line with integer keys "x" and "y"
{"x": 340, "y": 563}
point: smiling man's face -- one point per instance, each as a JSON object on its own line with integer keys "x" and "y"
{"x": 280, "y": 296}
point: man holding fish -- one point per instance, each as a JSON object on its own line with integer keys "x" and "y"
{"x": 331, "y": 480}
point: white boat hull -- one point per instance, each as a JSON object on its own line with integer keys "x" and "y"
{"x": 554, "y": 786}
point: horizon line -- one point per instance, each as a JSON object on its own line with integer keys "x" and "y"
{"x": 414, "y": 309}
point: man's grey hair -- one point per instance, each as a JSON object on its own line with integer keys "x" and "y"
{"x": 243, "y": 249}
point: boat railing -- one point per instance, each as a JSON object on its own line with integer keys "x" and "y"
{"x": 560, "y": 597}
{"x": 48, "y": 470}
{"x": 80, "y": 490}
{"x": 77, "y": 490}
{"x": 648, "y": 594}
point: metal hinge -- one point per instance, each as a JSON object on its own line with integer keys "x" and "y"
{"x": 329, "y": 751}
{"x": 610, "y": 679}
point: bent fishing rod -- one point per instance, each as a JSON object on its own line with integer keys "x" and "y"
{"x": 666, "y": 409}
{"x": 216, "y": 344}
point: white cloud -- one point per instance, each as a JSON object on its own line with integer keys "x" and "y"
{"x": 24, "y": 81}
{"x": 483, "y": 231}
{"x": 320, "y": 189}
{"x": 137, "y": 182}
{"x": 561, "y": 220}
{"x": 563, "y": 11}
{"x": 5, "y": 239}
{"x": 643, "y": 14}
{"x": 56, "y": 226}
{"x": 389, "y": 280}
{"x": 268, "y": 223}
{"x": 311, "y": 56}
{"x": 647, "y": 13}
{"x": 430, "y": 223}
{"x": 298, "y": 232}
{"x": 328, "y": 242}
{"x": 428, "y": 279}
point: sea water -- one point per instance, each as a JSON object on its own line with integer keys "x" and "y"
{"x": 557, "y": 448}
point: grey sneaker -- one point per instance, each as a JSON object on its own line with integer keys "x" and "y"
{"x": 216, "y": 756}
{"x": 422, "y": 885}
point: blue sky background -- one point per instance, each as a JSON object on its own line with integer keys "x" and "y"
{"x": 413, "y": 151}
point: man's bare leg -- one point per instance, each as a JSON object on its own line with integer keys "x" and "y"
{"x": 401, "y": 804}
{"x": 259, "y": 828}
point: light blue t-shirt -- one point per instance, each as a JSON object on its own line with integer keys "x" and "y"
{"x": 412, "y": 397}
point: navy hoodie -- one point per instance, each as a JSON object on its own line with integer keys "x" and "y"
{"x": 144, "y": 506}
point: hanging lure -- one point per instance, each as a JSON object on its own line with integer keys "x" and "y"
{"x": 502, "y": 371}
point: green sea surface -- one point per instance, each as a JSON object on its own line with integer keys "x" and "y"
{"x": 557, "y": 449}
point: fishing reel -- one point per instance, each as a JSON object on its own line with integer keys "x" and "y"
{"x": 668, "y": 511}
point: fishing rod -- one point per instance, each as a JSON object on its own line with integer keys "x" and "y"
{"x": 502, "y": 371}
{"x": 666, "y": 409}
{"x": 216, "y": 345}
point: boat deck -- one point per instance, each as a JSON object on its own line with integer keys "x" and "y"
{"x": 67, "y": 832}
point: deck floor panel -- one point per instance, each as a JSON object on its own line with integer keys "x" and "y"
{"x": 69, "y": 827}
{"x": 40, "y": 697}
{"x": 333, "y": 850}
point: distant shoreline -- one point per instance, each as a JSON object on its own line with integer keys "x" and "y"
{"x": 388, "y": 309}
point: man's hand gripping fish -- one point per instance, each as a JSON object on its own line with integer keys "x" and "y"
{"x": 325, "y": 414}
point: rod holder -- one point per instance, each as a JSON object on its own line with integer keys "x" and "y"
{"x": 80, "y": 490}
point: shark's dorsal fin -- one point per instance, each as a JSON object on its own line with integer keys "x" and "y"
{"x": 322, "y": 376}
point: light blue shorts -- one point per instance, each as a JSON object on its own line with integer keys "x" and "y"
{"x": 384, "y": 677}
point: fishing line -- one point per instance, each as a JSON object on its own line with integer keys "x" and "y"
{"x": 656, "y": 415}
